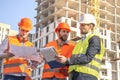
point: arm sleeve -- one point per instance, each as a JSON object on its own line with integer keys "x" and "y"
{"x": 93, "y": 49}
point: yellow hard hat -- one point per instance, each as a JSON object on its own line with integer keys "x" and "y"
{"x": 25, "y": 24}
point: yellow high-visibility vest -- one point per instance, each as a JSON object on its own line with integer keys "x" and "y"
{"x": 93, "y": 67}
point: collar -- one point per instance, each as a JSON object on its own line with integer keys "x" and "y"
{"x": 66, "y": 42}
{"x": 86, "y": 35}
{"x": 89, "y": 34}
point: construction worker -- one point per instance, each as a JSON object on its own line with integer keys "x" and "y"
{"x": 87, "y": 54}
{"x": 63, "y": 47}
{"x": 18, "y": 68}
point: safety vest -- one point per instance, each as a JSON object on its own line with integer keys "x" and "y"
{"x": 93, "y": 67}
{"x": 62, "y": 72}
{"x": 16, "y": 65}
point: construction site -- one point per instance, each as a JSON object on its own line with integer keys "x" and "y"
{"x": 107, "y": 13}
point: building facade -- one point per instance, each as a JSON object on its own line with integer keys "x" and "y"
{"x": 5, "y": 31}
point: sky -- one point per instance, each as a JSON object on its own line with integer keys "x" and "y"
{"x": 11, "y": 11}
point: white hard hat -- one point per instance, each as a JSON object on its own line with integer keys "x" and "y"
{"x": 87, "y": 19}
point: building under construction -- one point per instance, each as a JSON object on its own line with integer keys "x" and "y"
{"x": 107, "y": 13}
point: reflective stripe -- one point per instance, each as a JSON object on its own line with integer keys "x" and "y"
{"x": 48, "y": 70}
{"x": 52, "y": 70}
{"x": 92, "y": 67}
{"x": 97, "y": 60}
{"x": 12, "y": 65}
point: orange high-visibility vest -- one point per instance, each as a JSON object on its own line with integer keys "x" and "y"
{"x": 16, "y": 65}
{"x": 65, "y": 50}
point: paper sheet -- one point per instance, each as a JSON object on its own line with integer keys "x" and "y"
{"x": 25, "y": 52}
{"x": 49, "y": 54}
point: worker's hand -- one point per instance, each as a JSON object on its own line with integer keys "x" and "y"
{"x": 7, "y": 54}
{"x": 34, "y": 64}
{"x": 42, "y": 59}
{"x": 60, "y": 58}
{"x": 40, "y": 55}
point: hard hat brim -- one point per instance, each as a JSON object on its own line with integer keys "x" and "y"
{"x": 25, "y": 28}
{"x": 62, "y": 28}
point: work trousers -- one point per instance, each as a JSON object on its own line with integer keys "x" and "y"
{"x": 11, "y": 77}
{"x": 80, "y": 76}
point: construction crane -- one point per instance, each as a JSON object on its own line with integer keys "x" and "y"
{"x": 95, "y": 6}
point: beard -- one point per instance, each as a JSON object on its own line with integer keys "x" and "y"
{"x": 83, "y": 32}
{"x": 63, "y": 38}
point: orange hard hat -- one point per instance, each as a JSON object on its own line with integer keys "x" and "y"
{"x": 25, "y": 24}
{"x": 63, "y": 25}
